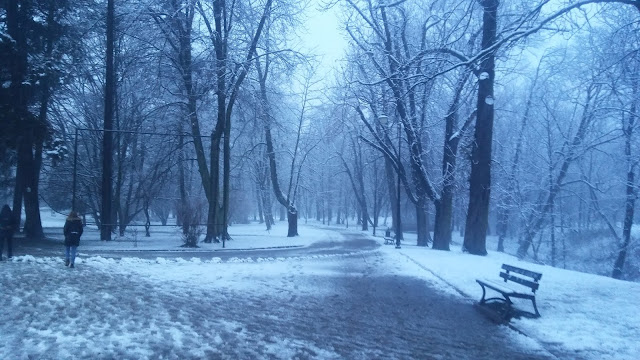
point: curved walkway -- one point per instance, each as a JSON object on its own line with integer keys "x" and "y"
{"x": 355, "y": 305}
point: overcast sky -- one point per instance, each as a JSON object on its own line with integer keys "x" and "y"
{"x": 324, "y": 38}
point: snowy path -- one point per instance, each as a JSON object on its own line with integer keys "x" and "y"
{"x": 358, "y": 306}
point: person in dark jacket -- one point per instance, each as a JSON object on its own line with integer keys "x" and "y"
{"x": 72, "y": 232}
{"x": 7, "y": 228}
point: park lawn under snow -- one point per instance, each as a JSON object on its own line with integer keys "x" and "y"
{"x": 166, "y": 238}
{"x": 594, "y": 316}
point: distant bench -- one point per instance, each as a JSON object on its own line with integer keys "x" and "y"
{"x": 388, "y": 240}
{"x": 526, "y": 284}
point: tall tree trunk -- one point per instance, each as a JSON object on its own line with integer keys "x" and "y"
{"x": 422, "y": 222}
{"x": 364, "y": 208}
{"x": 260, "y": 205}
{"x": 178, "y": 28}
{"x": 17, "y": 193}
{"x": 292, "y": 220}
{"x": 376, "y": 198}
{"x": 443, "y": 220}
{"x": 407, "y": 115}
{"x": 630, "y": 185}
{"x": 329, "y": 207}
{"x": 292, "y": 213}
{"x": 213, "y": 215}
{"x": 206, "y": 173}
{"x": 33, "y": 223}
{"x": 220, "y": 45}
{"x": 268, "y": 203}
{"x": 480, "y": 179}
{"x": 318, "y": 205}
{"x": 339, "y": 209}
{"x": 444, "y": 206}
{"x": 31, "y": 129}
{"x": 226, "y": 180}
{"x": 182, "y": 188}
{"x": 30, "y": 183}
{"x": 550, "y": 151}
{"x": 16, "y": 17}
{"x": 288, "y": 200}
{"x": 391, "y": 190}
{"x": 225, "y": 102}
{"x": 356, "y": 177}
{"x": 120, "y": 170}
{"x": 618, "y": 266}
{"x": 107, "y": 141}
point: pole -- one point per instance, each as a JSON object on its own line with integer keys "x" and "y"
{"x": 75, "y": 171}
{"x": 398, "y": 225}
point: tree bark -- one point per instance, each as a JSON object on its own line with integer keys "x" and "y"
{"x": 107, "y": 140}
{"x": 444, "y": 206}
{"x": 226, "y": 179}
{"x": 33, "y": 223}
{"x": 356, "y": 177}
{"x": 31, "y": 164}
{"x": 288, "y": 200}
{"x": 618, "y": 266}
{"x": 480, "y": 179}
{"x": 292, "y": 213}
{"x": 630, "y": 185}
{"x": 30, "y": 134}
{"x": 391, "y": 190}
{"x": 422, "y": 222}
{"x": 219, "y": 35}
{"x": 182, "y": 187}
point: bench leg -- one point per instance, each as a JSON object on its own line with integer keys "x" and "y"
{"x": 484, "y": 292}
{"x": 484, "y": 299}
{"x": 535, "y": 307}
{"x": 506, "y": 315}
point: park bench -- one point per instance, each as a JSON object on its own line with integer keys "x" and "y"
{"x": 388, "y": 240}
{"x": 517, "y": 283}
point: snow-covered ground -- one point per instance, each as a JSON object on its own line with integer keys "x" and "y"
{"x": 592, "y": 315}
{"x": 167, "y": 238}
{"x": 44, "y": 305}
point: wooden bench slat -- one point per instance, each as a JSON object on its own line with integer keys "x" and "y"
{"x": 499, "y": 286}
{"x": 530, "y": 284}
{"x": 507, "y": 291}
{"x": 532, "y": 274}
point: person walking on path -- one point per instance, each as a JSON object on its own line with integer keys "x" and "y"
{"x": 7, "y": 228}
{"x": 72, "y": 232}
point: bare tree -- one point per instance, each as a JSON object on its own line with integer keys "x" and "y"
{"x": 107, "y": 142}
{"x": 230, "y": 74}
{"x": 35, "y": 37}
{"x": 299, "y": 152}
{"x": 570, "y": 152}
